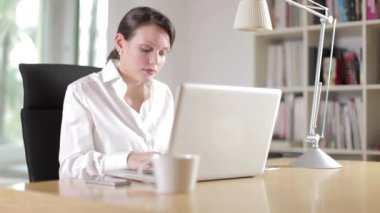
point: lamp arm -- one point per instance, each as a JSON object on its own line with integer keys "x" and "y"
{"x": 328, "y": 19}
{"x": 313, "y": 136}
{"x": 328, "y": 78}
{"x": 317, "y": 84}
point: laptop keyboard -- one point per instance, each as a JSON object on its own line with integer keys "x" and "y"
{"x": 147, "y": 176}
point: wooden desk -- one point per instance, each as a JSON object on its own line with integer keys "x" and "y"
{"x": 353, "y": 188}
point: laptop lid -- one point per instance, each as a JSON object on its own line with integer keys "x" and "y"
{"x": 229, "y": 127}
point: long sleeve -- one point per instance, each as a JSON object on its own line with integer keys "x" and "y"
{"x": 77, "y": 156}
{"x": 99, "y": 129}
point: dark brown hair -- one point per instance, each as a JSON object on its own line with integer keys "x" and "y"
{"x": 139, "y": 16}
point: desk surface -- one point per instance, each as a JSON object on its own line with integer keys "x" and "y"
{"x": 353, "y": 188}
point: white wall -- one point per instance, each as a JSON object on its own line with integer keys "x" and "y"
{"x": 207, "y": 49}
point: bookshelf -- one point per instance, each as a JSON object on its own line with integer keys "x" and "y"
{"x": 353, "y": 130}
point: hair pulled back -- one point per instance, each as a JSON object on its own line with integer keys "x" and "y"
{"x": 139, "y": 16}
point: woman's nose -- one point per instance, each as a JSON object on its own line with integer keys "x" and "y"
{"x": 153, "y": 58}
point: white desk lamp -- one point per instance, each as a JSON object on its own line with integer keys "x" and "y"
{"x": 253, "y": 15}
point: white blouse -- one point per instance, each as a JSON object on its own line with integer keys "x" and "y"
{"x": 99, "y": 129}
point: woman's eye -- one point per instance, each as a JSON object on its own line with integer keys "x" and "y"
{"x": 163, "y": 53}
{"x": 145, "y": 49}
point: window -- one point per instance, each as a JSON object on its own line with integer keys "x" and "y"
{"x": 93, "y": 23}
{"x": 41, "y": 31}
{"x": 19, "y": 42}
{"x": 19, "y": 37}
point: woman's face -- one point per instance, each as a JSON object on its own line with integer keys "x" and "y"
{"x": 143, "y": 55}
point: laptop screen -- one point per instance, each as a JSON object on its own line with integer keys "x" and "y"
{"x": 229, "y": 127}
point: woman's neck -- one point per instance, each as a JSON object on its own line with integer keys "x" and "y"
{"x": 136, "y": 95}
{"x": 137, "y": 92}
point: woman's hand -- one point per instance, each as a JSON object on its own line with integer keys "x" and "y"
{"x": 135, "y": 159}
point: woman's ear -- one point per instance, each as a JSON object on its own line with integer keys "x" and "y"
{"x": 119, "y": 43}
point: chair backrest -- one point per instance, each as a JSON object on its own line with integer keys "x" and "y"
{"x": 44, "y": 91}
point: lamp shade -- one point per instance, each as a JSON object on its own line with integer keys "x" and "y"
{"x": 252, "y": 15}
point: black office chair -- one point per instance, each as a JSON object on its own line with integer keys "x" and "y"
{"x": 44, "y": 90}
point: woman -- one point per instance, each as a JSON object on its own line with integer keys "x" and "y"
{"x": 119, "y": 117}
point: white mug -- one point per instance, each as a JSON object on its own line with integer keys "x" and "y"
{"x": 175, "y": 173}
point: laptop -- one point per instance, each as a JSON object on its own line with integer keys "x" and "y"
{"x": 230, "y": 127}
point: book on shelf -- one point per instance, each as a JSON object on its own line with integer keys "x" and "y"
{"x": 371, "y": 10}
{"x": 330, "y": 5}
{"x": 326, "y": 67}
{"x": 280, "y": 14}
{"x": 339, "y": 67}
{"x": 336, "y": 10}
{"x": 284, "y": 64}
{"x": 293, "y": 15}
{"x": 358, "y": 104}
{"x": 293, "y": 63}
{"x": 300, "y": 123}
{"x": 374, "y": 147}
{"x": 356, "y": 6}
{"x": 342, "y": 10}
{"x": 291, "y": 121}
{"x": 351, "y": 68}
{"x": 351, "y": 10}
{"x": 313, "y": 53}
{"x": 279, "y": 132}
{"x": 275, "y": 66}
{"x": 345, "y": 69}
{"x": 284, "y": 15}
{"x": 347, "y": 129}
{"x": 338, "y": 126}
{"x": 343, "y": 128}
{"x": 354, "y": 122}
{"x": 329, "y": 125}
{"x": 272, "y": 11}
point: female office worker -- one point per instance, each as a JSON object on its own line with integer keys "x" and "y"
{"x": 119, "y": 117}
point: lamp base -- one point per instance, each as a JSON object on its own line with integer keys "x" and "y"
{"x": 315, "y": 158}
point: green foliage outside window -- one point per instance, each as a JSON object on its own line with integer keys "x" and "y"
{"x": 17, "y": 44}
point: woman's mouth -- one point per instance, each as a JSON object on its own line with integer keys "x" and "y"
{"x": 150, "y": 71}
